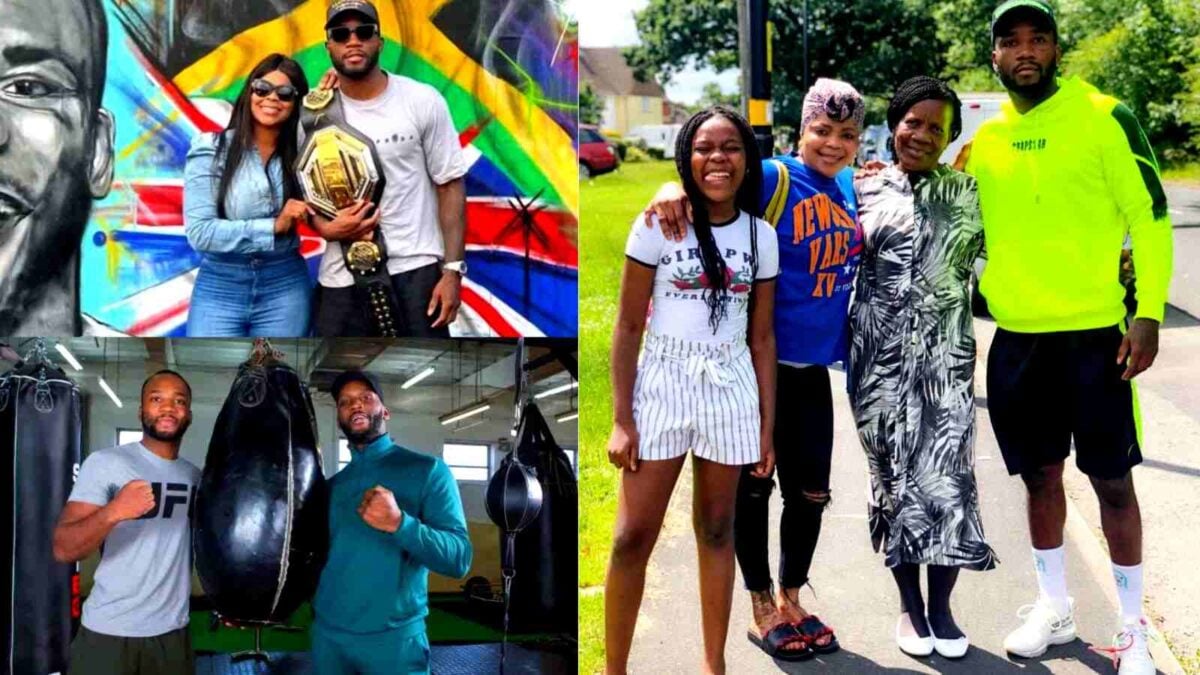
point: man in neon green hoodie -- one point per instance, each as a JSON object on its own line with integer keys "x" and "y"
{"x": 1064, "y": 174}
{"x": 394, "y": 515}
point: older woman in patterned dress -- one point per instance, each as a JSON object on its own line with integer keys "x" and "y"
{"x": 912, "y": 363}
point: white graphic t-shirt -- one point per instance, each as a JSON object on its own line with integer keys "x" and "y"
{"x": 419, "y": 149}
{"x": 679, "y": 309}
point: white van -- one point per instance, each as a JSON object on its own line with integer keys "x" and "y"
{"x": 976, "y": 108}
{"x": 660, "y": 136}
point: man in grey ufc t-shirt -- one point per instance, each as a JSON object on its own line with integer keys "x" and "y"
{"x": 133, "y": 503}
{"x": 144, "y": 579}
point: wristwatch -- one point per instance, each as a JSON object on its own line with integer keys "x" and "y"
{"x": 459, "y": 266}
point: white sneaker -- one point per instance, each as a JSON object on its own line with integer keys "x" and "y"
{"x": 1042, "y": 627}
{"x": 1130, "y": 650}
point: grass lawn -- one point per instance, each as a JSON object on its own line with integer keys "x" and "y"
{"x": 608, "y": 205}
{"x": 1184, "y": 173}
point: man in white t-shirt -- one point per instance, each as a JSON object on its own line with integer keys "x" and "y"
{"x": 421, "y": 212}
{"x": 135, "y": 500}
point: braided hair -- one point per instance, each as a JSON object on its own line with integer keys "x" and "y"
{"x": 716, "y": 295}
{"x": 922, "y": 88}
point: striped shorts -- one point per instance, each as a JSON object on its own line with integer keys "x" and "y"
{"x": 697, "y": 396}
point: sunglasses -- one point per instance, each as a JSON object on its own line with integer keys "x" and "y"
{"x": 286, "y": 92}
{"x": 364, "y": 32}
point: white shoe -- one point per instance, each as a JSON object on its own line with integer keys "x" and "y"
{"x": 1042, "y": 627}
{"x": 1129, "y": 649}
{"x": 913, "y": 645}
{"x": 950, "y": 649}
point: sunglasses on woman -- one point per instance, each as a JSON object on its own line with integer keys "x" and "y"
{"x": 364, "y": 32}
{"x": 286, "y": 92}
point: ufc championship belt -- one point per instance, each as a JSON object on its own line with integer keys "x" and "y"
{"x": 338, "y": 166}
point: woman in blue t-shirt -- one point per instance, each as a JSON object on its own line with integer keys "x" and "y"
{"x": 705, "y": 382}
{"x": 241, "y": 203}
{"x": 810, "y": 200}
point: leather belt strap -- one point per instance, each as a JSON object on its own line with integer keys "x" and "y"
{"x": 365, "y": 260}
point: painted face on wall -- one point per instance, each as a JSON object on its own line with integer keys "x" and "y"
{"x": 55, "y": 143}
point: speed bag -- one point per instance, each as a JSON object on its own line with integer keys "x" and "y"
{"x": 41, "y": 434}
{"x": 261, "y": 526}
{"x": 545, "y": 588}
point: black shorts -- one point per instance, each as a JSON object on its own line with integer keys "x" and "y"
{"x": 342, "y": 312}
{"x": 1045, "y": 389}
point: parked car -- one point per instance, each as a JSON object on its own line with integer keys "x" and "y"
{"x": 596, "y": 155}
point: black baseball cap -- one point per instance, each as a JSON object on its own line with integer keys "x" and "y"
{"x": 337, "y": 9}
{"x": 1039, "y": 11}
{"x": 349, "y": 376}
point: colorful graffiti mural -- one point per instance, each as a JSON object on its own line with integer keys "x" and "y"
{"x": 507, "y": 68}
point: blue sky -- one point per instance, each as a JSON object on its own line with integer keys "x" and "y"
{"x": 609, "y": 23}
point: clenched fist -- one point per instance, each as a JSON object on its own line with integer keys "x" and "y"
{"x": 378, "y": 509}
{"x": 134, "y": 500}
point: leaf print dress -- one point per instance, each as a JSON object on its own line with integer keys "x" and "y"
{"x": 912, "y": 365}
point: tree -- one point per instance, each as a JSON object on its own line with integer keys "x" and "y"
{"x": 591, "y": 108}
{"x": 1141, "y": 56}
{"x": 964, "y": 27}
{"x": 711, "y": 95}
{"x": 1189, "y": 100}
{"x": 873, "y": 44}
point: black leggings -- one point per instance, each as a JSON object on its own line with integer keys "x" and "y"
{"x": 803, "y": 447}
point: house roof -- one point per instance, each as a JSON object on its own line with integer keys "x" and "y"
{"x": 608, "y": 73}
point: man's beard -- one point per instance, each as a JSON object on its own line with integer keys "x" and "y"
{"x": 1036, "y": 91}
{"x": 370, "y": 61}
{"x": 374, "y": 430}
{"x": 149, "y": 430}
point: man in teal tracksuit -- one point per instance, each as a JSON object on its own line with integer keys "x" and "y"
{"x": 394, "y": 515}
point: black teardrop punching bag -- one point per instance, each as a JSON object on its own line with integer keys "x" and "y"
{"x": 261, "y": 528}
{"x": 545, "y": 588}
{"x": 40, "y": 433}
{"x": 513, "y": 501}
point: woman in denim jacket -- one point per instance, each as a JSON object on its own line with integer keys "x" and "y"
{"x": 241, "y": 207}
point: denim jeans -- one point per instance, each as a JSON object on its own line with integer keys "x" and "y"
{"x": 256, "y": 295}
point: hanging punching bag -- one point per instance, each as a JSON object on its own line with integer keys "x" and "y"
{"x": 260, "y": 529}
{"x": 544, "y": 591}
{"x": 513, "y": 501}
{"x": 40, "y": 433}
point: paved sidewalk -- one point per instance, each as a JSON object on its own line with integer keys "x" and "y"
{"x": 855, "y": 593}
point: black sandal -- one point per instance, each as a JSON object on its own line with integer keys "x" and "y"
{"x": 813, "y": 629}
{"x": 778, "y": 638}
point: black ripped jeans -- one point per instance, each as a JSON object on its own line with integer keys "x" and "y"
{"x": 803, "y": 448}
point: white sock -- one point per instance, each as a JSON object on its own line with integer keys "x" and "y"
{"x": 1052, "y": 577}
{"x": 1129, "y": 591}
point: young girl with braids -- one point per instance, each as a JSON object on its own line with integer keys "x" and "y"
{"x": 810, "y": 200}
{"x": 706, "y": 381}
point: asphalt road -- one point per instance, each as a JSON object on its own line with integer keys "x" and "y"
{"x": 1184, "y": 204}
{"x": 855, "y": 594}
